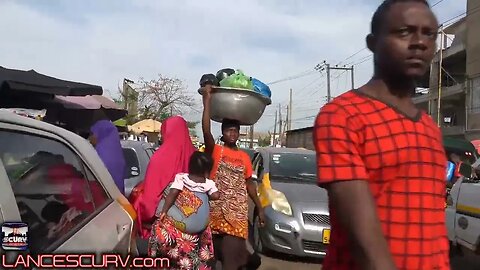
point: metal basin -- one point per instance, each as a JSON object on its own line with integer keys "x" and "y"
{"x": 246, "y": 106}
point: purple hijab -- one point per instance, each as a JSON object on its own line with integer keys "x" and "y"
{"x": 110, "y": 150}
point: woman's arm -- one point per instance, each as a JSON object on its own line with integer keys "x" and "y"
{"x": 206, "y": 124}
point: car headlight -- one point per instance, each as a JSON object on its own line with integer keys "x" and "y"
{"x": 279, "y": 202}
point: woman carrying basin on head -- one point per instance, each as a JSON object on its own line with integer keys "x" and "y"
{"x": 232, "y": 172}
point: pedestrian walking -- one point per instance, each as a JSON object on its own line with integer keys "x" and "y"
{"x": 189, "y": 193}
{"x": 104, "y": 137}
{"x": 382, "y": 159}
{"x": 171, "y": 158}
{"x": 232, "y": 173}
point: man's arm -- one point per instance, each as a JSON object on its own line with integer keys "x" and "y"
{"x": 206, "y": 124}
{"x": 357, "y": 213}
{"x": 341, "y": 170}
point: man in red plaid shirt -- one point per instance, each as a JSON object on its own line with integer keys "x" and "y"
{"x": 382, "y": 159}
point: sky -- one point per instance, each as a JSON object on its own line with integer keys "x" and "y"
{"x": 103, "y": 41}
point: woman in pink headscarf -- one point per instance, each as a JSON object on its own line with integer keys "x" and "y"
{"x": 170, "y": 159}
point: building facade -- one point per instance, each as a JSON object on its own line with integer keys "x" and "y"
{"x": 300, "y": 138}
{"x": 453, "y": 95}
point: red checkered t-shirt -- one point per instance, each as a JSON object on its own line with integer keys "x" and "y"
{"x": 360, "y": 138}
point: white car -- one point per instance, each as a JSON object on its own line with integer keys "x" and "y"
{"x": 54, "y": 181}
{"x": 463, "y": 212}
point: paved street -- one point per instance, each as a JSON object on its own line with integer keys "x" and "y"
{"x": 279, "y": 262}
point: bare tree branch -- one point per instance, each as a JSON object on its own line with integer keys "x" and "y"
{"x": 163, "y": 97}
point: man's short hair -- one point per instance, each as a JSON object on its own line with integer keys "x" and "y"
{"x": 379, "y": 15}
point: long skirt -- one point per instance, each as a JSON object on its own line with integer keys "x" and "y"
{"x": 185, "y": 251}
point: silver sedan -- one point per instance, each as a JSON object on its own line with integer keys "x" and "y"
{"x": 296, "y": 209}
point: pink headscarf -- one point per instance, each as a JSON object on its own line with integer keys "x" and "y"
{"x": 171, "y": 158}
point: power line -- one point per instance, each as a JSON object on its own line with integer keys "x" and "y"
{"x": 369, "y": 57}
{"x": 352, "y": 56}
{"x": 303, "y": 74}
{"x": 459, "y": 16}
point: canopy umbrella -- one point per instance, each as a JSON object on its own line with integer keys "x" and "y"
{"x": 12, "y": 81}
{"x": 147, "y": 125}
{"x": 83, "y": 112}
{"x": 121, "y": 123}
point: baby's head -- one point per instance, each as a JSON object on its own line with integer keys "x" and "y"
{"x": 200, "y": 164}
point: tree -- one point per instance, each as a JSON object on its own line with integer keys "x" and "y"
{"x": 264, "y": 141}
{"x": 191, "y": 127}
{"x": 163, "y": 97}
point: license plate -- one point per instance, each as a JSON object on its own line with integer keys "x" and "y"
{"x": 326, "y": 236}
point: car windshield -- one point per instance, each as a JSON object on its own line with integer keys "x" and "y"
{"x": 293, "y": 167}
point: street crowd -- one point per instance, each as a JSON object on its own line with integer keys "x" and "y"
{"x": 380, "y": 158}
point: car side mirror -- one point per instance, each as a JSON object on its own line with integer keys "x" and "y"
{"x": 466, "y": 170}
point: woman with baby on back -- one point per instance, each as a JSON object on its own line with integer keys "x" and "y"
{"x": 188, "y": 245}
{"x": 183, "y": 214}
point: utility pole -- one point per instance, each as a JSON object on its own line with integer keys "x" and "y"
{"x": 251, "y": 137}
{"x": 328, "y": 68}
{"x": 353, "y": 78}
{"x": 287, "y": 119}
{"x": 280, "y": 124}
{"x": 440, "y": 64}
{"x": 275, "y": 130}
{"x": 289, "y": 127}
{"x": 328, "y": 83}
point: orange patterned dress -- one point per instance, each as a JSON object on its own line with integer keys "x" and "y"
{"x": 229, "y": 215}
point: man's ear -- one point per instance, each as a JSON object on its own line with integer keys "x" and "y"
{"x": 371, "y": 42}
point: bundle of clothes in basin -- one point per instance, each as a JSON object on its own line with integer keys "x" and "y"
{"x": 230, "y": 78}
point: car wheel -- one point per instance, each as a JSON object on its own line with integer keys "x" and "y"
{"x": 257, "y": 240}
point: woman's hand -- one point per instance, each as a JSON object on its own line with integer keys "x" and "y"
{"x": 261, "y": 217}
{"x": 162, "y": 216}
{"x": 208, "y": 90}
{"x": 207, "y": 93}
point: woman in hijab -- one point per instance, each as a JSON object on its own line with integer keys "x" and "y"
{"x": 186, "y": 251}
{"x": 104, "y": 136}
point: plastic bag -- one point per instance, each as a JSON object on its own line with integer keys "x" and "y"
{"x": 261, "y": 88}
{"x": 237, "y": 80}
{"x": 208, "y": 79}
{"x": 224, "y": 73}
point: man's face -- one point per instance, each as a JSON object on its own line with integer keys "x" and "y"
{"x": 230, "y": 135}
{"x": 407, "y": 40}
